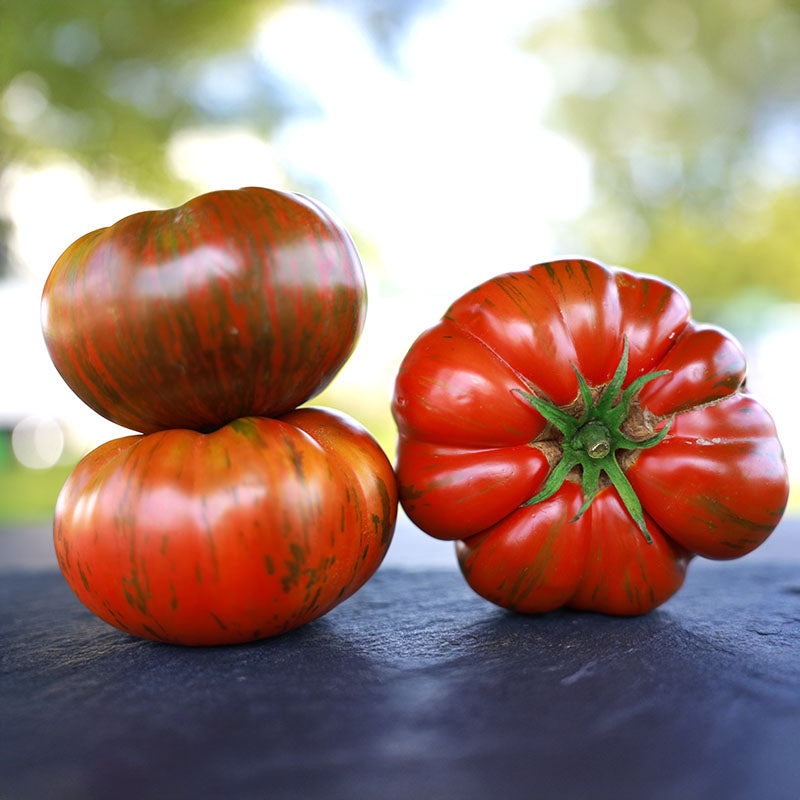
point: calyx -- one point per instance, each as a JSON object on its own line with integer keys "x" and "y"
{"x": 592, "y": 440}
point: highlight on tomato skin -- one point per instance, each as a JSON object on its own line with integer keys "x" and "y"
{"x": 239, "y": 302}
{"x": 582, "y": 438}
{"x": 232, "y": 536}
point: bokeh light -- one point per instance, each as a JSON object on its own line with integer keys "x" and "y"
{"x": 38, "y": 442}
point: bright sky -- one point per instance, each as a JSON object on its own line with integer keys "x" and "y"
{"x": 443, "y": 163}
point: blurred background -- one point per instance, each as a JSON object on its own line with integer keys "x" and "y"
{"x": 456, "y": 140}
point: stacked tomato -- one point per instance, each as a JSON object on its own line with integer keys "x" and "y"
{"x": 235, "y": 515}
{"x": 581, "y": 438}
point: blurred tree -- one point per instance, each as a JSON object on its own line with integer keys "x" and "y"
{"x": 108, "y": 84}
{"x": 691, "y": 114}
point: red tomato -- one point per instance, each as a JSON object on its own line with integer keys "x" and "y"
{"x": 238, "y": 303}
{"x": 230, "y": 536}
{"x": 583, "y": 438}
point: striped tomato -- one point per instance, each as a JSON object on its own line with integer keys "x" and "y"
{"x": 237, "y": 303}
{"x": 214, "y": 538}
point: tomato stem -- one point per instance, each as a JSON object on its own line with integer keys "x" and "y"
{"x": 593, "y": 439}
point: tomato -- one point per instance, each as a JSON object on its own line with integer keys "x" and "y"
{"x": 216, "y": 538}
{"x": 582, "y": 438}
{"x": 238, "y": 303}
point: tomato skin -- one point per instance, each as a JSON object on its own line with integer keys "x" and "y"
{"x": 715, "y": 447}
{"x": 705, "y": 365}
{"x": 476, "y": 486}
{"x": 459, "y": 379}
{"x": 237, "y": 303}
{"x": 226, "y": 537}
{"x": 536, "y": 560}
{"x": 472, "y": 450}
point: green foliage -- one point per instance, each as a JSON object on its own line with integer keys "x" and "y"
{"x": 673, "y": 96}
{"x": 28, "y": 495}
{"x": 691, "y": 114}
{"x": 108, "y": 83}
{"x": 715, "y": 259}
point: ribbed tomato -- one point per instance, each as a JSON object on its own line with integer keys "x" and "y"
{"x": 230, "y": 536}
{"x": 582, "y": 438}
{"x": 237, "y": 303}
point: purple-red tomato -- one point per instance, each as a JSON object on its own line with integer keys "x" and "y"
{"x": 216, "y": 538}
{"x": 238, "y": 303}
{"x": 581, "y": 437}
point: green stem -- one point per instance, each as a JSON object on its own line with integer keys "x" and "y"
{"x": 627, "y": 495}
{"x": 593, "y": 439}
{"x": 554, "y": 480}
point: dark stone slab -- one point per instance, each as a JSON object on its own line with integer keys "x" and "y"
{"x": 414, "y": 688}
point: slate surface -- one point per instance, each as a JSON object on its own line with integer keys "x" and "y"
{"x": 413, "y": 688}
